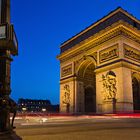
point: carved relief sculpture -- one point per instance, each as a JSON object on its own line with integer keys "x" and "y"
{"x": 66, "y": 97}
{"x": 109, "y": 86}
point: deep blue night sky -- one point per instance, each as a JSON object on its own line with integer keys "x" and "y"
{"x": 41, "y": 26}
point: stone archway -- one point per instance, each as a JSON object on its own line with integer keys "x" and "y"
{"x": 90, "y": 100}
{"x": 136, "y": 94}
{"x": 86, "y": 75}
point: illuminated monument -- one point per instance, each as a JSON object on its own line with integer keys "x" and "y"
{"x": 100, "y": 67}
{"x": 8, "y": 47}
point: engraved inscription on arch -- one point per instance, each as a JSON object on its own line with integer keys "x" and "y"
{"x": 109, "y": 53}
{"x": 66, "y": 70}
{"x": 131, "y": 53}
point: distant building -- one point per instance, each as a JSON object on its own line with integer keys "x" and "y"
{"x": 34, "y": 105}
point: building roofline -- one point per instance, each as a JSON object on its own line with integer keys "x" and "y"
{"x": 118, "y": 9}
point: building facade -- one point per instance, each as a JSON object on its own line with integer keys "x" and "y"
{"x": 100, "y": 67}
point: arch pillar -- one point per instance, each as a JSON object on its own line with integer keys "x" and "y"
{"x": 123, "y": 99}
{"x": 68, "y": 95}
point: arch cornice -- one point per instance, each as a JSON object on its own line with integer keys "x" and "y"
{"x": 119, "y": 28}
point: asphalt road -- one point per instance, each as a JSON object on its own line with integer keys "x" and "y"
{"x": 81, "y": 129}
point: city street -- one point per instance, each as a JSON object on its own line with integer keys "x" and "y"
{"x": 84, "y": 128}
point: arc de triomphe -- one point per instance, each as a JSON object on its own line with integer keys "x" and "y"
{"x": 100, "y": 67}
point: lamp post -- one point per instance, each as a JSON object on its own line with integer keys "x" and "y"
{"x": 8, "y": 48}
